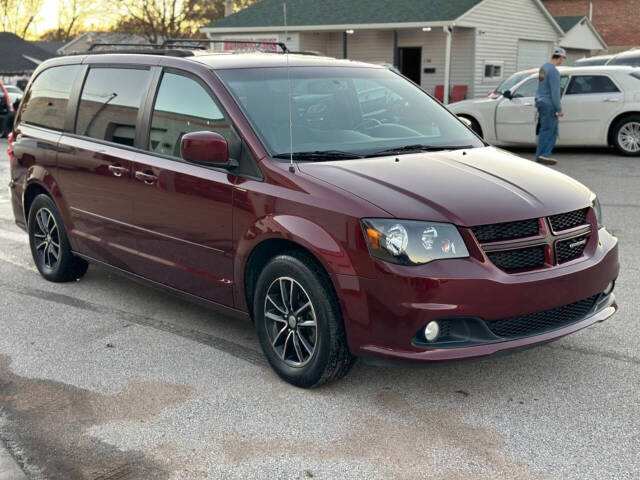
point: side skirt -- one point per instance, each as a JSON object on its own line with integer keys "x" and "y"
{"x": 218, "y": 307}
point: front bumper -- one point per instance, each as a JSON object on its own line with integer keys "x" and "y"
{"x": 383, "y": 315}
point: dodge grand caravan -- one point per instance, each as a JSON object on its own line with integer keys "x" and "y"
{"x": 335, "y": 203}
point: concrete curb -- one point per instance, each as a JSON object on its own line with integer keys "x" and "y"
{"x": 9, "y": 469}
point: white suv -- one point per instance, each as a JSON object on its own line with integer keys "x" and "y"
{"x": 601, "y": 107}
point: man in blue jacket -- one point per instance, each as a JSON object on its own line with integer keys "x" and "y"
{"x": 549, "y": 106}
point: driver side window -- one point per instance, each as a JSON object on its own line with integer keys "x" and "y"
{"x": 182, "y": 106}
{"x": 527, "y": 89}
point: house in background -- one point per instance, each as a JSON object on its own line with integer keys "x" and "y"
{"x": 19, "y": 58}
{"x": 83, "y": 42}
{"x": 616, "y": 20}
{"x": 472, "y": 44}
{"x": 581, "y": 39}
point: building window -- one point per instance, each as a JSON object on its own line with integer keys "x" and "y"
{"x": 493, "y": 70}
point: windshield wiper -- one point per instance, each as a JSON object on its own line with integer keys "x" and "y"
{"x": 320, "y": 155}
{"x": 417, "y": 148}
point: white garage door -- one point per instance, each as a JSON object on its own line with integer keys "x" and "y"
{"x": 532, "y": 53}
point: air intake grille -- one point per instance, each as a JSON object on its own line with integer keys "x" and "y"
{"x": 571, "y": 248}
{"x": 520, "y": 259}
{"x": 565, "y": 221}
{"x": 540, "y": 322}
{"x": 506, "y": 231}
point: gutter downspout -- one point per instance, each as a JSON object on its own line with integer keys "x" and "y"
{"x": 447, "y": 63}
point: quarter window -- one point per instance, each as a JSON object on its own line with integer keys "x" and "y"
{"x": 182, "y": 106}
{"x": 45, "y": 104}
{"x": 581, "y": 84}
{"x": 109, "y": 104}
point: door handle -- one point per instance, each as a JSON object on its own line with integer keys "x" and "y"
{"x": 118, "y": 170}
{"x": 528, "y": 104}
{"x": 611, "y": 100}
{"x": 147, "y": 178}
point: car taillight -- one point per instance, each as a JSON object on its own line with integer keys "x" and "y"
{"x": 10, "y": 149}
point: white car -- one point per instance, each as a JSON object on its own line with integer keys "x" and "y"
{"x": 601, "y": 107}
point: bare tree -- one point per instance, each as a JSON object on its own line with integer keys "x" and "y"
{"x": 71, "y": 16}
{"x": 158, "y": 19}
{"x": 18, "y": 16}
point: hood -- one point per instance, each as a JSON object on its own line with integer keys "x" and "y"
{"x": 461, "y": 105}
{"x": 466, "y": 187}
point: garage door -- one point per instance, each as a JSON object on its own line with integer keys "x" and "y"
{"x": 532, "y": 53}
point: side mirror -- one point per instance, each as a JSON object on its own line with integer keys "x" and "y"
{"x": 507, "y": 94}
{"x": 208, "y": 148}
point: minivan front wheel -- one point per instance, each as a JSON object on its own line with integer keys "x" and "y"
{"x": 49, "y": 243}
{"x": 299, "y": 323}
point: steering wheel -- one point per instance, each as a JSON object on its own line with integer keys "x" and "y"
{"x": 368, "y": 124}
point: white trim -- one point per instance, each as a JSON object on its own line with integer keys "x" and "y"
{"x": 32, "y": 59}
{"x": 591, "y": 27}
{"x": 354, "y": 26}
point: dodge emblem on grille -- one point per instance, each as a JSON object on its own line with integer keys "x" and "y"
{"x": 578, "y": 243}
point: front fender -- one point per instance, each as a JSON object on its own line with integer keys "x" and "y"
{"x": 309, "y": 235}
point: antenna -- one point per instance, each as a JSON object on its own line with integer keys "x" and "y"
{"x": 292, "y": 169}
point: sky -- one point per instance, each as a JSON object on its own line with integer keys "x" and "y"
{"x": 48, "y": 17}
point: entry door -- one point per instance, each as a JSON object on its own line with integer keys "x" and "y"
{"x": 516, "y": 117}
{"x": 95, "y": 165}
{"x": 411, "y": 63}
{"x": 589, "y": 104}
{"x": 182, "y": 211}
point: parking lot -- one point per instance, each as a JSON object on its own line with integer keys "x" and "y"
{"x": 107, "y": 379}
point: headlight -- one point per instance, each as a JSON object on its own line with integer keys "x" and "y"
{"x": 595, "y": 203}
{"x": 409, "y": 242}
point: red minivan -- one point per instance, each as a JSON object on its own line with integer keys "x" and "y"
{"x": 335, "y": 203}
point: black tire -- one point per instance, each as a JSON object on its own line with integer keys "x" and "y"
{"x": 46, "y": 240}
{"x": 330, "y": 358}
{"x": 629, "y": 124}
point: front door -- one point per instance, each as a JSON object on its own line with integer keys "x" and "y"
{"x": 411, "y": 62}
{"x": 516, "y": 117}
{"x": 183, "y": 211}
{"x": 588, "y": 104}
{"x": 95, "y": 165}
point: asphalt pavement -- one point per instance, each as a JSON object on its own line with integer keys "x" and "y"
{"x": 108, "y": 379}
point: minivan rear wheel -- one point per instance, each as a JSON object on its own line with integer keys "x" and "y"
{"x": 299, "y": 322}
{"x": 49, "y": 243}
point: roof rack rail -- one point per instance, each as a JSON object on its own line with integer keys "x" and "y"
{"x": 198, "y": 43}
{"x": 137, "y": 45}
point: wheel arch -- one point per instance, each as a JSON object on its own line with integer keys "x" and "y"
{"x": 285, "y": 233}
{"x": 614, "y": 122}
{"x": 474, "y": 120}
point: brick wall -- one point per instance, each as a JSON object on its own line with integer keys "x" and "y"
{"x": 616, "y": 20}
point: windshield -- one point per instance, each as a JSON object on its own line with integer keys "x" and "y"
{"x": 346, "y": 111}
{"x": 508, "y": 83}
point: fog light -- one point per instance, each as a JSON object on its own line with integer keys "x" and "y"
{"x": 609, "y": 288}
{"x": 431, "y": 331}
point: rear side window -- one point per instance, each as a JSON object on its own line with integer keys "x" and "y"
{"x": 45, "y": 104}
{"x": 109, "y": 104}
{"x": 182, "y": 106}
{"x": 591, "y": 84}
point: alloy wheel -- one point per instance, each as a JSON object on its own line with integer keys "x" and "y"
{"x": 47, "y": 238}
{"x": 629, "y": 137}
{"x": 290, "y": 321}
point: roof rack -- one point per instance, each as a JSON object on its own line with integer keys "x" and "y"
{"x": 138, "y": 45}
{"x": 198, "y": 43}
{"x": 136, "y": 48}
